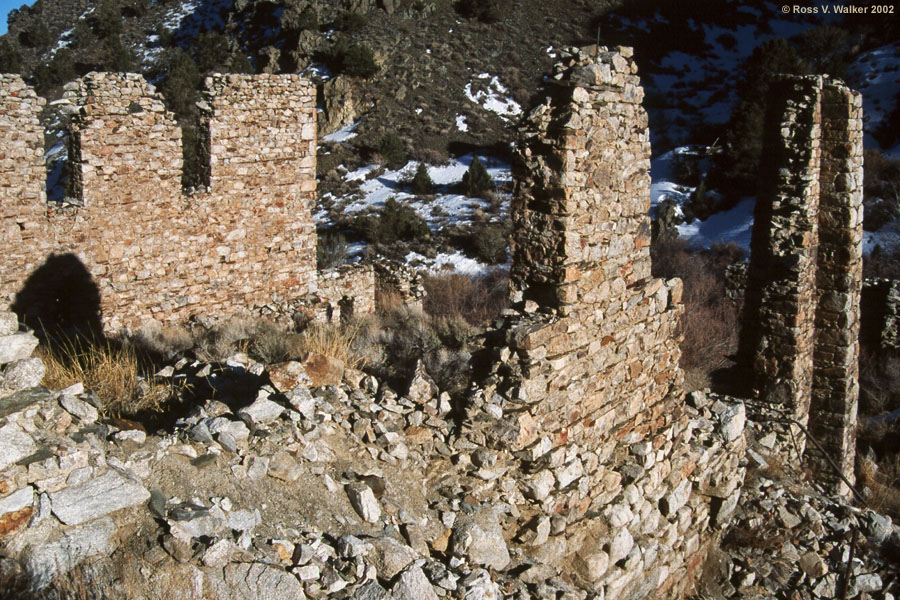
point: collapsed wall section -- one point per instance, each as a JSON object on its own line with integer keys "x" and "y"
{"x": 585, "y": 389}
{"x": 802, "y": 315}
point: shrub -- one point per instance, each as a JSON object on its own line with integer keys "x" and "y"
{"x": 331, "y": 251}
{"x": 486, "y": 11}
{"x": 354, "y": 60}
{"x": 116, "y": 57}
{"x": 475, "y": 300}
{"x": 686, "y": 170}
{"x": 711, "y": 322}
{"x": 393, "y": 151}
{"x": 350, "y": 22}
{"x": 421, "y": 183}
{"x": 36, "y": 36}
{"x": 490, "y": 242}
{"x": 295, "y": 20}
{"x": 882, "y": 190}
{"x": 476, "y": 181}
{"x": 824, "y": 49}
{"x": 888, "y": 131}
{"x": 735, "y": 171}
{"x": 182, "y": 83}
{"x": 60, "y": 70}
{"x": 10, "y": 59}
{"x": 394, "y": 222}
{"x": 107, "y": 19}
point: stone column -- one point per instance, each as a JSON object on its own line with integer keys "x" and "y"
{"x": 801, "y": 331}
{"x": 777, "y": 339}
{"x": 839, "y": 283}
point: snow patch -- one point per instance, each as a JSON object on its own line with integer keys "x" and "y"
{"x": 461, "y": 123}
{"x": 343, "y": 134}
{"x": 492, "y": 96}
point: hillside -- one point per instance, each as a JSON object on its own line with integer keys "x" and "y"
{"x": 444, "y": 79}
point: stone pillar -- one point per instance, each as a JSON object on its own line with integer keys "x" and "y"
{"x": 261, "y": 136}
{"x": 839, "y": 283}
{"x": 801, "y": 330}
{"x": 23, "y": 177}
{"x": 580, "y": 210}
{"x": 779, "y": 326}
{"x": 124, "y": 147}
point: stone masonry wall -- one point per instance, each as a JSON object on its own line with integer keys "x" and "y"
{"x": 801, "y": 332}
{"x": 586, "y": 380}
{"x": 133, "y": 248}
{"x": 22, "y": 174}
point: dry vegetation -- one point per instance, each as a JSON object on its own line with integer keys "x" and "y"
{"x": 390, "y": 344}
{"x": 122, "y": 380}
{"x": 878, "y": 440}
{"x": 711, "y": 321}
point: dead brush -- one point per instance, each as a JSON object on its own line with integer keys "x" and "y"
{"x": 476, "y": 300}
{"x": 112, "y": 370}
{"x": 881, "y": 483}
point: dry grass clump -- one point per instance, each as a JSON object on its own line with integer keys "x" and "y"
{"x": 881, "y": 483}
{"x": 336, "y": 341}
{"x": 110, "y": 369}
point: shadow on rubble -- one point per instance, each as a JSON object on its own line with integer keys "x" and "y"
{"x": 735, "y": 380}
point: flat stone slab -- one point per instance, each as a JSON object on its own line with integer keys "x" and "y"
{"x": 17, "y": 346}
{"x": 15, "y": 445}
{"x": 97, "y": 497}
{"x": 256, "y": 581}
{"x": 46, "y": 562}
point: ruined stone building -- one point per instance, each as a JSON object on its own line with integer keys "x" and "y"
{"x": 587, "y": 374}
{"x": 801, "y": 329}
{"x": 132, "y": 248}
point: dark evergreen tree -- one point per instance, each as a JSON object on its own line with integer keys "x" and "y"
{"x": 476, "y": 181}
{"x": 421, "y": 183}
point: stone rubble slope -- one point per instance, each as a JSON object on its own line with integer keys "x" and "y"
{"x": 349, "y": 491}
{"x": 790, "y": 539}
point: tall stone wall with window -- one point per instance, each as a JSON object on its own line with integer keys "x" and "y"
{"x": 801, "y": 331}
{"x": 128, "y": 247}
{"x": 585, "y": 379}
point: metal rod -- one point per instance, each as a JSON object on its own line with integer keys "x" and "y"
{"x": 821, "y": 449}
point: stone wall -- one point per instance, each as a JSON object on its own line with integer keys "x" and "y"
{"x": 586, "y": 379}
{"x": 23, "y": 205}
{"x": 801, "y": 332}
{"x": 131, "y": 248}
{"x": 347, "y": 291}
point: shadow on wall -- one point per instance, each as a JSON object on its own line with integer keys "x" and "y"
{"x": 61, "y": 297}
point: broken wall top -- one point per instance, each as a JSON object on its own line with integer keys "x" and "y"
{"x": 582, "y": 195}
